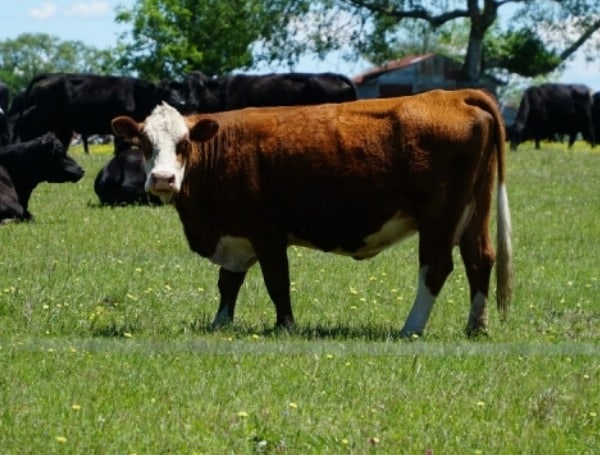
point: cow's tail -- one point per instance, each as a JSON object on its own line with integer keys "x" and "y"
{"x": 504, "y": 267}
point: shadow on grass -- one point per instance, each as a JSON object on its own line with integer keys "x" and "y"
{"x": 358, "y": 332}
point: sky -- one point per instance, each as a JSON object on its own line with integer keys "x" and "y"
{"x": 92, "y": 22}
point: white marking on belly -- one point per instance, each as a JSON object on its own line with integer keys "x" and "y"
{"x": 396, "y": 229}
{"x": 234, "y": 254}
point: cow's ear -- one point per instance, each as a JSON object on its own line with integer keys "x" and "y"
{"x": 204, "y": 130}
{"x": 125, "y": 127}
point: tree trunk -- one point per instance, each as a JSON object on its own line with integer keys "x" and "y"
{"x": 481, "y": 20}
{"x": 472, "y": 66}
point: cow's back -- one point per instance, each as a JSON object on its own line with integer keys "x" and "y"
{"x": 95, "y": 100}
{"x": 286, "y": 89}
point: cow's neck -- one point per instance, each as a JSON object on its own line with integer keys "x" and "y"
{"x": 198, "y": 229}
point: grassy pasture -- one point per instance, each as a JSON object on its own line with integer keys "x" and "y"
{"x": 104, "y": 346}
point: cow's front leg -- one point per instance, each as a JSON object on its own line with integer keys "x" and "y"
{"x": 273, "y": 260}
{"x": 229, "y": 288}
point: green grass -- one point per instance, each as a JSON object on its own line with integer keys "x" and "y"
{"x": 104, "y": 345}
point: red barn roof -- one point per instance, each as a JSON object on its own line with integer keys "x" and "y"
{"x": 388, "y": 66}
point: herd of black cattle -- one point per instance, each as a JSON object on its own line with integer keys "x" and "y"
{"x": 42, "y": 119}
{"x": 38, "y": 126}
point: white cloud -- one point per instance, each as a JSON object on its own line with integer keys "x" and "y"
{"x": 89, "y": 9}
{"x": 44, "y": 11}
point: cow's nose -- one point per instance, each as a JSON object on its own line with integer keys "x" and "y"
{"x": 161, "y": 181}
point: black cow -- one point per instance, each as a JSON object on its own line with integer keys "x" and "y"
{"x": 43, "y": 159}
{"x": 65, "y": 103}
{"x": 10, "y": 208}
{"x": 596, "y": 113}
{"x": 4, "y": 97}
{"x": 121, "y": 180}
{"x": 243, "y": 90}
{"x": 549, "y": 111}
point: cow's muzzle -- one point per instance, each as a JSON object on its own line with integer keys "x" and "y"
{"x": 162, "y": 184}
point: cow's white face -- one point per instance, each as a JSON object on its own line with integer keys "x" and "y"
{"x": 165, "y": 129}
{"x": 166, "y": 141}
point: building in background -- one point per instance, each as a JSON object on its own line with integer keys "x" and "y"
{"x": 415, "y": 74}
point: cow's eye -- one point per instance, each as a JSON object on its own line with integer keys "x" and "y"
{"x": 182, "y": 149}
{"x": 148, "y": 153}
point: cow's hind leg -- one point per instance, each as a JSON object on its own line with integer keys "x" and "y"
{"x": 229, "y": 288}
{"x": 435, "y": 259}
{"x": 478, "y": 256}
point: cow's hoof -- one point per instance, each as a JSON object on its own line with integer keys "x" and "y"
{"x": 410, "y": 335}
{"x": 287, "y": 323}
{"x": 221, "y": 321}
{"x": 476, "y": 331}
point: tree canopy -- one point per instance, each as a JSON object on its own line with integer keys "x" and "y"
{"x": 538, "y": 38}
{"x": 31, "y": 54}
{"x": 217, "y": 36}
{"x": 171, "y": 37}
{"x": 168, "y": 38}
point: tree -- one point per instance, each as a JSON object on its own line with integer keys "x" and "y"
{"x": 31, "y": 54}
{"x": 172, "y": 37}
{"x": 542, "y": 35}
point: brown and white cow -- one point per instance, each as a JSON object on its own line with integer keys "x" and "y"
{"x": 351, "y": 178}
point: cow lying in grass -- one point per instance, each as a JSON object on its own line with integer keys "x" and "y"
{"x": 351, "y": 178}
{"x": 43, "y": 159}
{"x": 121, "y": 180}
